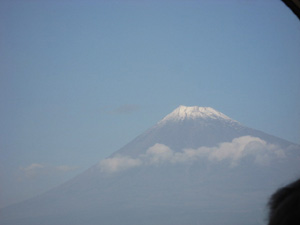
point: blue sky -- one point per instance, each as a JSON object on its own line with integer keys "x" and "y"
{"x": 80, "y": 79}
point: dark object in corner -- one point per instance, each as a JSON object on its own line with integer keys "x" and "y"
{"x": 285, "y": 205}
{"x": 294, "y": 5}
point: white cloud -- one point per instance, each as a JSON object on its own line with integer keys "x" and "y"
{"x": 247, "y": 146}
{"x": 118, "y": 163}
{"x": 234, "y": 151}
{"x": 243, "y": 147}
{"x": 159, "y": 153}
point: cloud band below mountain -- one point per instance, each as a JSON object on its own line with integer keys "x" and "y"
{"x": 255, "y": 148}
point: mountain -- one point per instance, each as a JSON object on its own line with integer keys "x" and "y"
{"x": 193, "y": 127}
{"x": 195, "y": 166}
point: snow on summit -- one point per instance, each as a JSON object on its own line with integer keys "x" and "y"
{"x": 194, "y": 112}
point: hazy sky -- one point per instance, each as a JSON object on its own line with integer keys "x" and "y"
{"x": 80, "y": 79}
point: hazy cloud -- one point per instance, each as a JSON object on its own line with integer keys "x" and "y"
{"x": 36, "y": 170}
{"x": 247, "y": 146}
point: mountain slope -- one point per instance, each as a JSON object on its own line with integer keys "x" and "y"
{"x": 195, "y": 166}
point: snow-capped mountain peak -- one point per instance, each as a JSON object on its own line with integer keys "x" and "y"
{"x": 194, "y": 112}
